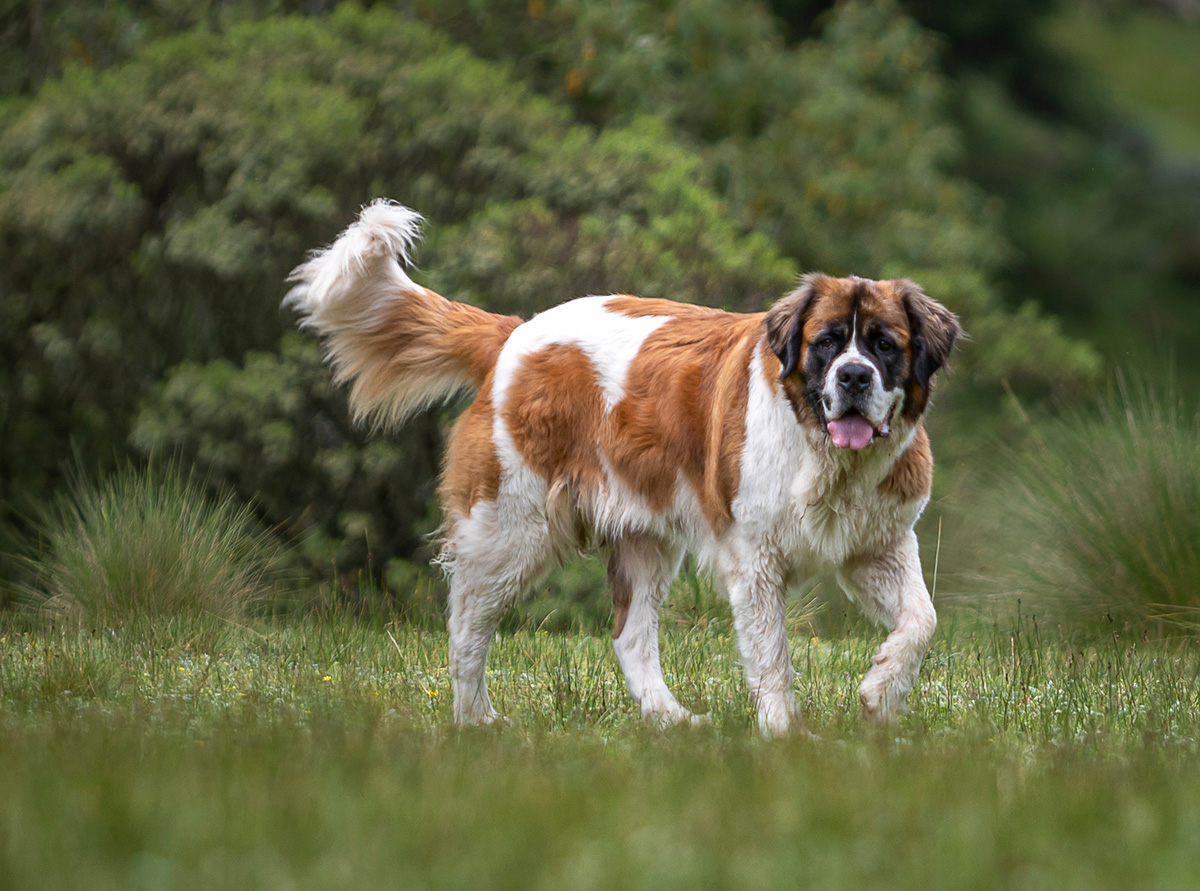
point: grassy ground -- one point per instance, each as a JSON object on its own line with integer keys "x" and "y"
{"x": 319, "y": 754}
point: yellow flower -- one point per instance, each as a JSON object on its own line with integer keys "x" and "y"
{"x": 327, "y": 678}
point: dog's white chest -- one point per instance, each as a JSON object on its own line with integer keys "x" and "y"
{"x": 839, "y": 515}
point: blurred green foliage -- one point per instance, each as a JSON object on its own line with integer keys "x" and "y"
{"x": 163, "y": 165}
{"x": 868, "y": 133}
{"x": 275, "y": 430}
{"x": 153, "y": 210}
{"x": 862, "y": 174}
{"x": 1146, "y": 61}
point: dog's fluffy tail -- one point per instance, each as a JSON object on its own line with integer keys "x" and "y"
{"x": 400, "y": 346}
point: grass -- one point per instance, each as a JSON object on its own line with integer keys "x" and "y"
{"x": 148, "y": 543}
{"x": 320, "y": 754}
{"x": 317, "y": 750}
{"x": 1099, "y": 517}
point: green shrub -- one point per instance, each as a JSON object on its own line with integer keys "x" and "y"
{"x": 276, "y": 432}
{"x": 1101, "y": 519}
{"x": 149, "y": 544}
{"x": 150, "y": 212}
{"x": 843, "y": 149}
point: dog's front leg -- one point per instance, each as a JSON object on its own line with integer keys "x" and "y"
{"x": 756, "y": 594}
{"x": 890, "y": 588}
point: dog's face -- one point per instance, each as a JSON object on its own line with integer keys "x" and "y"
{"x": 859, "y": 354}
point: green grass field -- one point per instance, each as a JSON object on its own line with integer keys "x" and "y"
{"x": 319, "y": 753}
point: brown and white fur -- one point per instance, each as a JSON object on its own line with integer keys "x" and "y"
{"x": 651, "y": 428}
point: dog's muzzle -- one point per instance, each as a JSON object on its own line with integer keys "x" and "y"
{"x": 855, "y": 409}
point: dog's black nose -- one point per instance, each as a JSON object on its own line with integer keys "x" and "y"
{"x": 854, "y": 378}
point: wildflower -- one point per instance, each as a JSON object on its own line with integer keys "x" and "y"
{"x": 327, "y": 678}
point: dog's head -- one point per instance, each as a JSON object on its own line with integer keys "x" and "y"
{"x": 860, "y": 354}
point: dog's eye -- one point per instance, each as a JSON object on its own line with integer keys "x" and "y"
{"x": 826, "y": 343}
{"x": 885, "y": 345}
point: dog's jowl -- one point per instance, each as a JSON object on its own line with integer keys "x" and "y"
{"x": 770, "y": 445}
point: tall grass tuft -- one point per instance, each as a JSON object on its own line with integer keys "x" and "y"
{"x": 1103, "y": 517}
{"x": 148, "y": 543}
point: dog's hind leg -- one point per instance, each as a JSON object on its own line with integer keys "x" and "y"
{"x": 891, "y": 589}
{"x": 640, "y": 570}
{"x": 491, "y": 559}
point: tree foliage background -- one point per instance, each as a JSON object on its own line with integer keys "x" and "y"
{"x": 164, "y": 164}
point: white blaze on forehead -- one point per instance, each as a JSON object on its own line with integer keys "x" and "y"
{"x": 852, "y": 351}
{"x": 610, "y": 340}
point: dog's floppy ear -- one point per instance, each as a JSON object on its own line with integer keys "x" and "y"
{"x": 785, "y": 323}
{"x": 934, "y": 330}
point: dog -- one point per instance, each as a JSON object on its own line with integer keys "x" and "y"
{"x": 770, "y": 445}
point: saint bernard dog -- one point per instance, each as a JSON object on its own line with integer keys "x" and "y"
{"x": 770, "y": 445}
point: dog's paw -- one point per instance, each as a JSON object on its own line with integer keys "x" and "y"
{"x": 780, "y": 717}
{"x": 880, "y": 705}
{"x": 673, "y": 714}
{"x": 483, "y": 719}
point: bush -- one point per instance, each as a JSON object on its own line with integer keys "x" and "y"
{"x": 150, "y": 212}
{"x": 842, "y": 149}
{"x": 1103, "y": 517}
{"x": 149, "y": 543}
{"x": 277, "y": 432}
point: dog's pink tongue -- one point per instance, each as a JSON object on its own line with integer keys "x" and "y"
{"x": 851, "y": 432}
